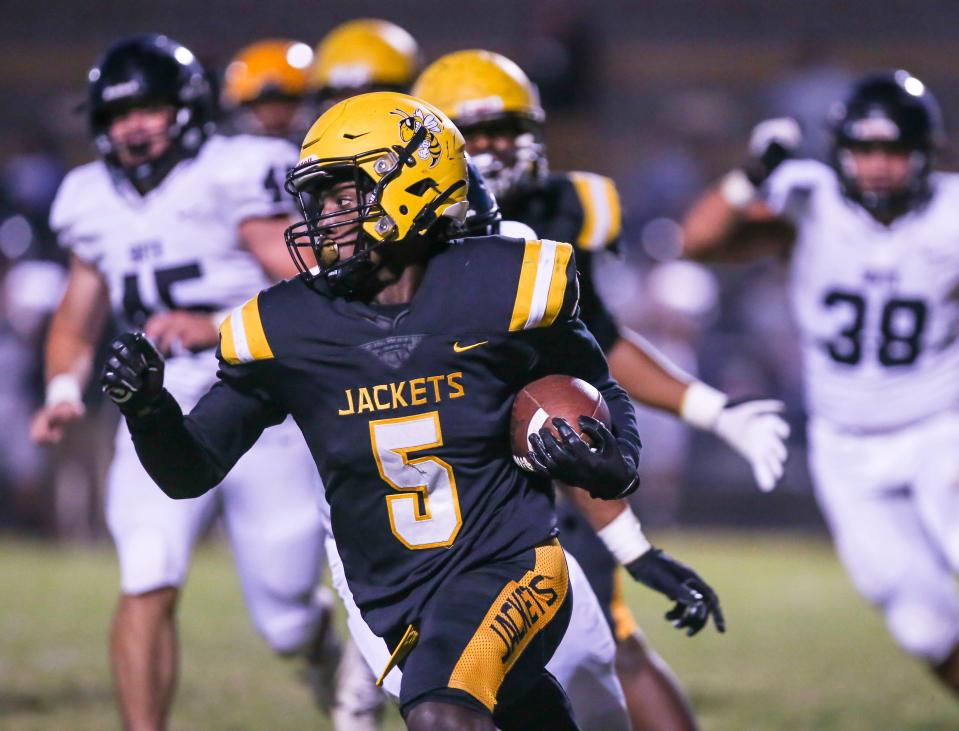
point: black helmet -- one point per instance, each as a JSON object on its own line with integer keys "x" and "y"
{"x": 895, "y": 109}
{"x": 148, "y": 70}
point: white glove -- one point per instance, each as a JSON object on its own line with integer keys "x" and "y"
{"x": 757, "y": 431}
{"x": 783, "y": 131}
{"x": 754, "y": 429}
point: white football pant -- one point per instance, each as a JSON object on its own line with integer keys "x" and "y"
{"x": 892, "y": 504}
{"x": 268, "y": 502}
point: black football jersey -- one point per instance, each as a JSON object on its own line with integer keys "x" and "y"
{"x": 584, "y": 209}
{"x": 406, "y": 409}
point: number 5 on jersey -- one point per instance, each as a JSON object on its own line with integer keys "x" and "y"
{"x": 427, "y": 478}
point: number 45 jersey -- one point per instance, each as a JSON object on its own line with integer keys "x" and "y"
{"x": 406, "y": 409}
{"x": 177, "y": 247}
{"x": 876, "y": 305}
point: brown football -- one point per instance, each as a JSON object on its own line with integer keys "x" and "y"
{"x": 552, "y": 396}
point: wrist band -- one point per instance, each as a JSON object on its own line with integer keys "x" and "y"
{"x": 702, "y": 405}
{"x": 63, "y": 388}
{"x": 624, "y": 537}
{"x": 736, "y": 189}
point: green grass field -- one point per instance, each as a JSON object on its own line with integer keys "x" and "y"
{"x": 802, "y": 651}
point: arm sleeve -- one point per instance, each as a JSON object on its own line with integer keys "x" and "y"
{"x": 189, "y": 455}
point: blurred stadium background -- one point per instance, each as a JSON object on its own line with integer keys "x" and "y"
{"x": 660, "y": 96}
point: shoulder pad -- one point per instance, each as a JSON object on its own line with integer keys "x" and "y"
{"x": 78, "y": 207}
{"x": 547, "y": 285}
{"x": 249, "y": 172}
{"x": 80, "y": 194}
{"x": 602, "y": 215}
{"x": 242, "y": 337}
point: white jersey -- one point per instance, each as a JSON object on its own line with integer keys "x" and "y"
{"x": 876, "y": 306}
{"x": 178, "y": 246}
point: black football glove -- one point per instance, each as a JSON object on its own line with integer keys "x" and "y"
{"x": 695, "y": 599}
{"x": 601, "y": 470}
{"x": 771, "y": 142}
{"x": 133, "y": 374}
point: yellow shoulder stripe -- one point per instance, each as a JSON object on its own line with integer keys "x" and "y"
{"x": 602, "y": 214}
{"x": 542, "y": 285}
{"x": 242, "y": 339}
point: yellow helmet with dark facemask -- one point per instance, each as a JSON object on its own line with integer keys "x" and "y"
{"x": 273, "y": 68}
{"x": 407, "y": 162}
{"x": 484, "y": 92}
{"x": 364, "y": 55}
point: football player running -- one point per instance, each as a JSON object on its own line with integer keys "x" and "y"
{"x": 497, "y": 107}
{"x": 584, "y": 661}
{"x": 265, "y": 89}
{"x": 449, "y": 549}
{"x": 874, "y": 269}
{"x": 171, "y": 226}
{"x": 366, "y": 55}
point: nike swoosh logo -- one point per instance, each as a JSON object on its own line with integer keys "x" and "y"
{"x": 457, "y": 348}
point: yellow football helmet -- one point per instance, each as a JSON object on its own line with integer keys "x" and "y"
{"x": 267, "y": 69}
{"x": 364, "y": 55}
{"x": 478, "y": 86}
{"x": 485, "y": 93}
{"x": 407, "y": 163}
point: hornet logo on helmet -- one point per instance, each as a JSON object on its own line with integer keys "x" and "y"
{"x": 410, "y": 125}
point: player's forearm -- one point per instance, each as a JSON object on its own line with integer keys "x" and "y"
{"x": 172, "y": 454}
{"x": 651, "y": 378}
{"x": 263, "y": 237}
{"x": 647, "y": 375}
{"x": 76, "y": 326}
{"x": 614, "y": 522}
{"x": 68, "y": 360}
{"x": 68, "y": 354}
{"x": 598, "y": 513}
{"x": 709, "y": 226}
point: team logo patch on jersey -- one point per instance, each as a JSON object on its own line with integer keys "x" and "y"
{"x": 393, "y": 351}
{"x": 410, "y": 124}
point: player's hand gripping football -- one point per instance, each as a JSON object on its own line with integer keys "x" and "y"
{"x": 756, "y": 430}
{"x": 133, "y": 374}
{"x": 771, "y": 142}
{"x": 695, "y": 600}
{"x": 601, "y": 470}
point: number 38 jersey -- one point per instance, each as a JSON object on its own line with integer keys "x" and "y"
{"x": 177, "y": 247}
{"x": 876, "y": 305}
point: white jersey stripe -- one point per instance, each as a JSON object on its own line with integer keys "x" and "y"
{"x": 601, "y": 212}
{"x": 544, "y": 274}
{"x": 239, "y": 336}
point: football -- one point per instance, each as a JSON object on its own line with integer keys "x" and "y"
{"x": 552, "y": 396}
